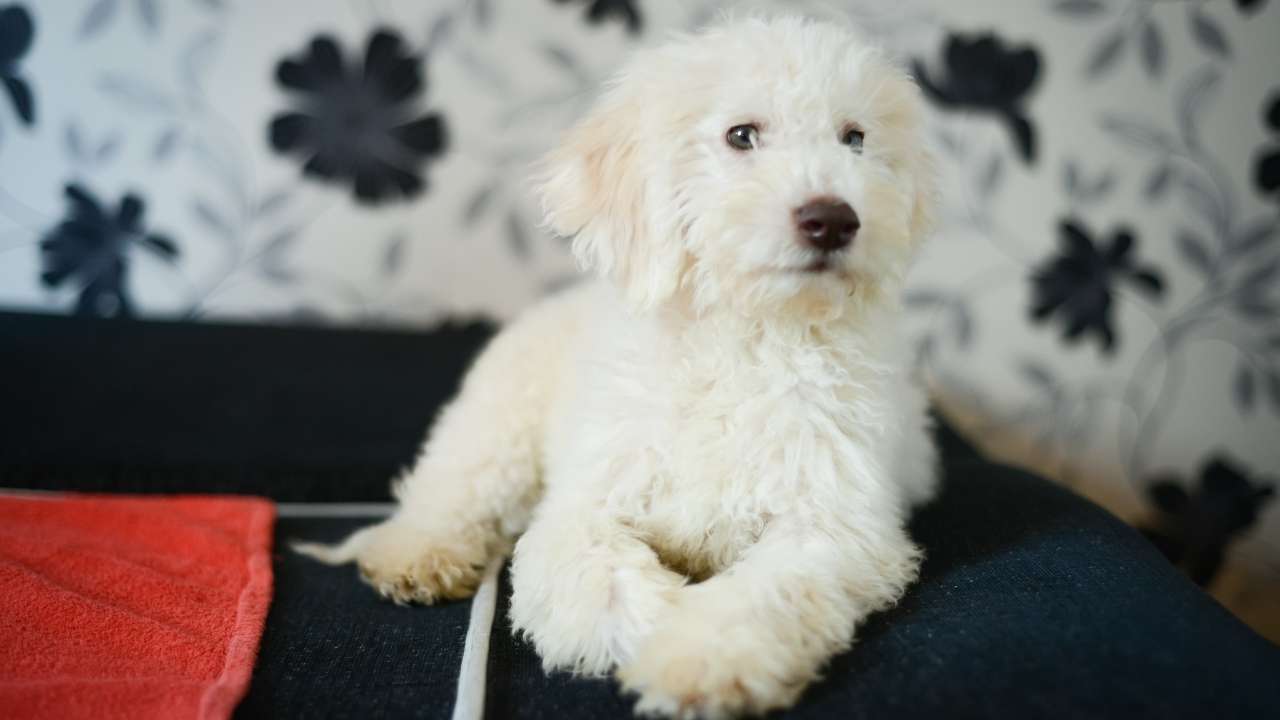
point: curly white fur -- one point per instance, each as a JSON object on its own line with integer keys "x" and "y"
{"x": 708, "y": 459}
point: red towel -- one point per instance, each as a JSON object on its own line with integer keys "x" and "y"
{"x": 130, "y": 607}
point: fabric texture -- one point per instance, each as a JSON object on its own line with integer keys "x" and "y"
{"x": 127, "y": 607}
{"x": 1033, "y": 602}
{"x": 334, "y": 649}
{"x": 296, "y": 414}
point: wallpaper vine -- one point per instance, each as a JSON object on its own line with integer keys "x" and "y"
{"x": 1101, "y": 302}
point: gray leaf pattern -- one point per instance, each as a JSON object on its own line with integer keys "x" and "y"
{"x": 196, "y": 60}
{"x": 97, "y": 17}
{"x": 1207, "y": 33}
{"x": 1258, "y": 281}
{"x": 478, "y": 203}
{"x": 1273, "y": 389}
{"x": 165, "y": 145}
{"x": 1244, "y": 388}
{"x": 989, "y": 180}
{"x": 1194, "y": 251}
{"x": 394, "y": 253}
{"x": 1193, "y": 102}
{"x": 137, "y": 93}
{"x": 1152, "y": 49}
{"x": 1106, "y": 53}
{"x": 517, "y": 238}
{"x": 1255, "y": 235}
{"x": 1079, "y": 7}
{"x": 1139, "y": 133}
{"x": 212, "y": 219}
{"x": 274, "y": 253}
{"x": 272, "y": 202}
{"x": 150, "y": 14}
{"x": 1158, "y": 182}
{"x": 75, "y": 143}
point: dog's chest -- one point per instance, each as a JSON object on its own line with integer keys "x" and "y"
{"x": 737, "y": 447}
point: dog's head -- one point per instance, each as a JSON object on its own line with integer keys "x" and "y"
{"x": 758, "y": 166}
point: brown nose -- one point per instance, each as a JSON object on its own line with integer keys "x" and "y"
{"x": 827, "y": 225}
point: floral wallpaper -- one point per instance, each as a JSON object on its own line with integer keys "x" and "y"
{"x": 1102, "y": 301}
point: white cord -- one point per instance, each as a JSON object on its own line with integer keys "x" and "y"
{"x": 475, "y": 652}
{"x": 334, "y": 510}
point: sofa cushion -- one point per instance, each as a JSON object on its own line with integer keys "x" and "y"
{"x": 307, "y": 414}
{"x": 1032, "y": 602}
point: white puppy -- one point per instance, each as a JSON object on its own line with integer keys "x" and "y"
{"x": 709, "y": 458}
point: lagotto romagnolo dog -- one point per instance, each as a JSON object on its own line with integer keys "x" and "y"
{"x": 704, "y": 461}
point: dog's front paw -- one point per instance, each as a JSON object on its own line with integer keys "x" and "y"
{"x": 688, "y": 671}
{"x": 407, "y": 564}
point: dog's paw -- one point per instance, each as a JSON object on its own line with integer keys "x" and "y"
{"x": 406, "y": 564}
{"x": 687, "y": 672}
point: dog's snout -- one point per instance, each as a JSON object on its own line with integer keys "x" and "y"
{"x": 827, "y": 224}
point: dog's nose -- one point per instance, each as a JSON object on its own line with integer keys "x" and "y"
{"x": 828, "y": 224}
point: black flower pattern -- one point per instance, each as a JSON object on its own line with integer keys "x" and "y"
{"x": 16, "y": 33}
{"x": 359, "y": 123}
{"x": 1267, "y": 172}
{"x": 91, "y": 246}
{"x": 599, "y": 11}
{"x": 1077, "y": 284}
{"x": 1194, "y": 530}
{"x": 983, "y": 74}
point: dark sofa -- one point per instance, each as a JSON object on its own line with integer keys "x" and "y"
{"x": 1032, "y": 603}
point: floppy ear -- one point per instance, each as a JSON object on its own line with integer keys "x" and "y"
{"x": 924, "y": 170}
{"x": 603, "y": 187}
{"x": 899, "y": 99}
{"x": 924, "y": 205}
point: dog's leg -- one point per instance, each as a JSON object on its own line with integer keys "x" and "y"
{"x": 751, "y": 638}
{"x": 585, "y": 590}
{"x": 476, "y": 481}
{"x": 915, "y": 459}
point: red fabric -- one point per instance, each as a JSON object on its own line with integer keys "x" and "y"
{"x": 130, "y": 607}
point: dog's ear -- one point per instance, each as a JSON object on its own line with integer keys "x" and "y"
{"x": 921, "y": 167}
{"x": 924, "y": 203}
{"x": 904, "y": 120}
{"x": 601, "y": 187}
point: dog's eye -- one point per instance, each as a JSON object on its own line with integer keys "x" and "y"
{"x": 743, "y": 137}
{"x": 853, "y": 137}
